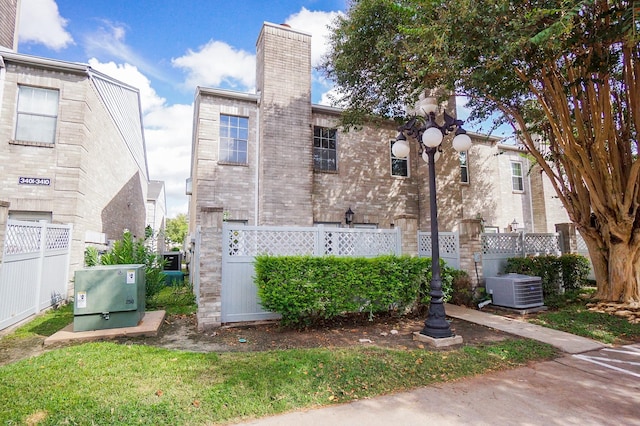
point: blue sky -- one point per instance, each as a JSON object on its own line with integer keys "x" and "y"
{"x": 166, "y": 48}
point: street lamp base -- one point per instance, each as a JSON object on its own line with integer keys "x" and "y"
{"x": 438, "y": 343}
{"x": 436, "y": 325}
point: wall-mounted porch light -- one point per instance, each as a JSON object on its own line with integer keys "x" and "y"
{"x": 348, "y": 216}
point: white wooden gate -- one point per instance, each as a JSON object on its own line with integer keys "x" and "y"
{"x": 35, "y": 269}
{"x": 449, "y": 243}
{"x": 241, "y": 244}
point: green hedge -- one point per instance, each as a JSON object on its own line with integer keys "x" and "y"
{"x": 566, "y": 272}
{"x": 304, "y": 289}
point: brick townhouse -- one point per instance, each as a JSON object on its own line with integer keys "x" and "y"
{"x": 72, "y": 146}
{"x": 274, "y": 158}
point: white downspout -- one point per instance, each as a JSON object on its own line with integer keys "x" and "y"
{"x": 2, "y": 77}
{"x": 256, "y": 206}
{"x": 531, "y": 215}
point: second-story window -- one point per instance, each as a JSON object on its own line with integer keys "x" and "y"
{"x": 37, "y": 114}
{"x": 464, "y": 167}
{"x": 324, "y": 149}
{"x": 399, "y": 166}
{"x": 517, "y": 183}
{"x": 234, "y": 136}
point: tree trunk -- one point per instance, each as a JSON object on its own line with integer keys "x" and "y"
{"x": 617, "y": 271}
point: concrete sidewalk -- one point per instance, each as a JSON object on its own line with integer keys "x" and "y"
{"x": 566, "y": 391}
{"x": 566, "y": 342}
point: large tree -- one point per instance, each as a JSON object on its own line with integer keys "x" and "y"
{"x": 564, "y": 73}
{"x": 176, "y": 229}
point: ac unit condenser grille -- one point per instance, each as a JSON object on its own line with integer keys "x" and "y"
{"x": 515, "y": 291}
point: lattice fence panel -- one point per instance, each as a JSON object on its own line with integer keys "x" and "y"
{"x": 542, "y": 244}
{"x": 58, "y": 238}
{"x": 345, "y": 243}
{"x": 502, "y": 244}
{"x": 22, "y": 239}
{"x": 581, "y": 246}
{"x": 252, "y": 242}
{"x": 447, "y": 241}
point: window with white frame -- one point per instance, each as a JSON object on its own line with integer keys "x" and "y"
{"x": 399, "y": 166}
{"x": 517, "y": 183}
{"x": 324, "y": 149}
{"x": 464, "y": 167}
{"x": 37, "y": 114}
{"x": 234, "y": 137}
{"x": 365, "y": 225}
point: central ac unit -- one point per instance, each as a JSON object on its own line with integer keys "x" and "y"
{"x": 515, "y": 291}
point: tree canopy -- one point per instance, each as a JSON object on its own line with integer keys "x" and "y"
{"x": 176, "y": 229}
{"x": 564, "y": 73}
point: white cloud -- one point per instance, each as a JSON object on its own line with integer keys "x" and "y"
{"x": 109, "y": 40}
{"x": 40, "y": 22}
{"x": 168, "y": 139}
{"x": 216, "y": 64}
{"x": 316, "y": 24}
{"x": 331, "y": 98}
{"x": 167, "y": 130}
{"x": 486, "y": 126}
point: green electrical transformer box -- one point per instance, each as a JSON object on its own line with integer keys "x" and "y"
{"x": 109, "y": 296}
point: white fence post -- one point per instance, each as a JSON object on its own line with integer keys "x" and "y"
{"x": 43, "y": 245}
{"x": 319, "y": 238}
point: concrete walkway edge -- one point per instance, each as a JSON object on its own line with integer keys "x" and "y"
{"x": 566, "y": 342}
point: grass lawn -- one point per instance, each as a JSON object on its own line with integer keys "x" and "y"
{"x": 109, "y": 383}
{"x": 576, "y": 319}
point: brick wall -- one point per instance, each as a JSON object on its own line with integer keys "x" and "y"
{"x": 280, "y": 174}
{"x": 229, "y": 185}
{"x": 363, "y": 180}
{"x": 8, "y": 23}
{"x": 286, "y": 152}
{"x": 95, "y": 183}
{"x": 210, "y": 301}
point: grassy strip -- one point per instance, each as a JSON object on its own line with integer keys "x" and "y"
{"x": 173, "y": 299}
{"x": 577, "y": 319}
{"x": 107, "y": 383}
{"x": 45, "y": 325}
{"x": 176, "y": 299}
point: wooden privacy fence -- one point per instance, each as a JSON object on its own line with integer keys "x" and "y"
{"x": 35, "y": 269}
{"x": 222, "y": 255}
{"x": 240, "y": 245}
{"x": 497, "y": 248}
{"x": 449, "y": 243}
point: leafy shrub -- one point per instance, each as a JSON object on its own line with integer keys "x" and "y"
{"x": 575, "y": 271}
{"x": 129, "y": 251}
{"x": 558, "y": 273}
{"x": 461, "y": 289}
{"x": 304, "y": 289}
{"x": 91, "y": 256}
{"x": 548, "y": 268}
